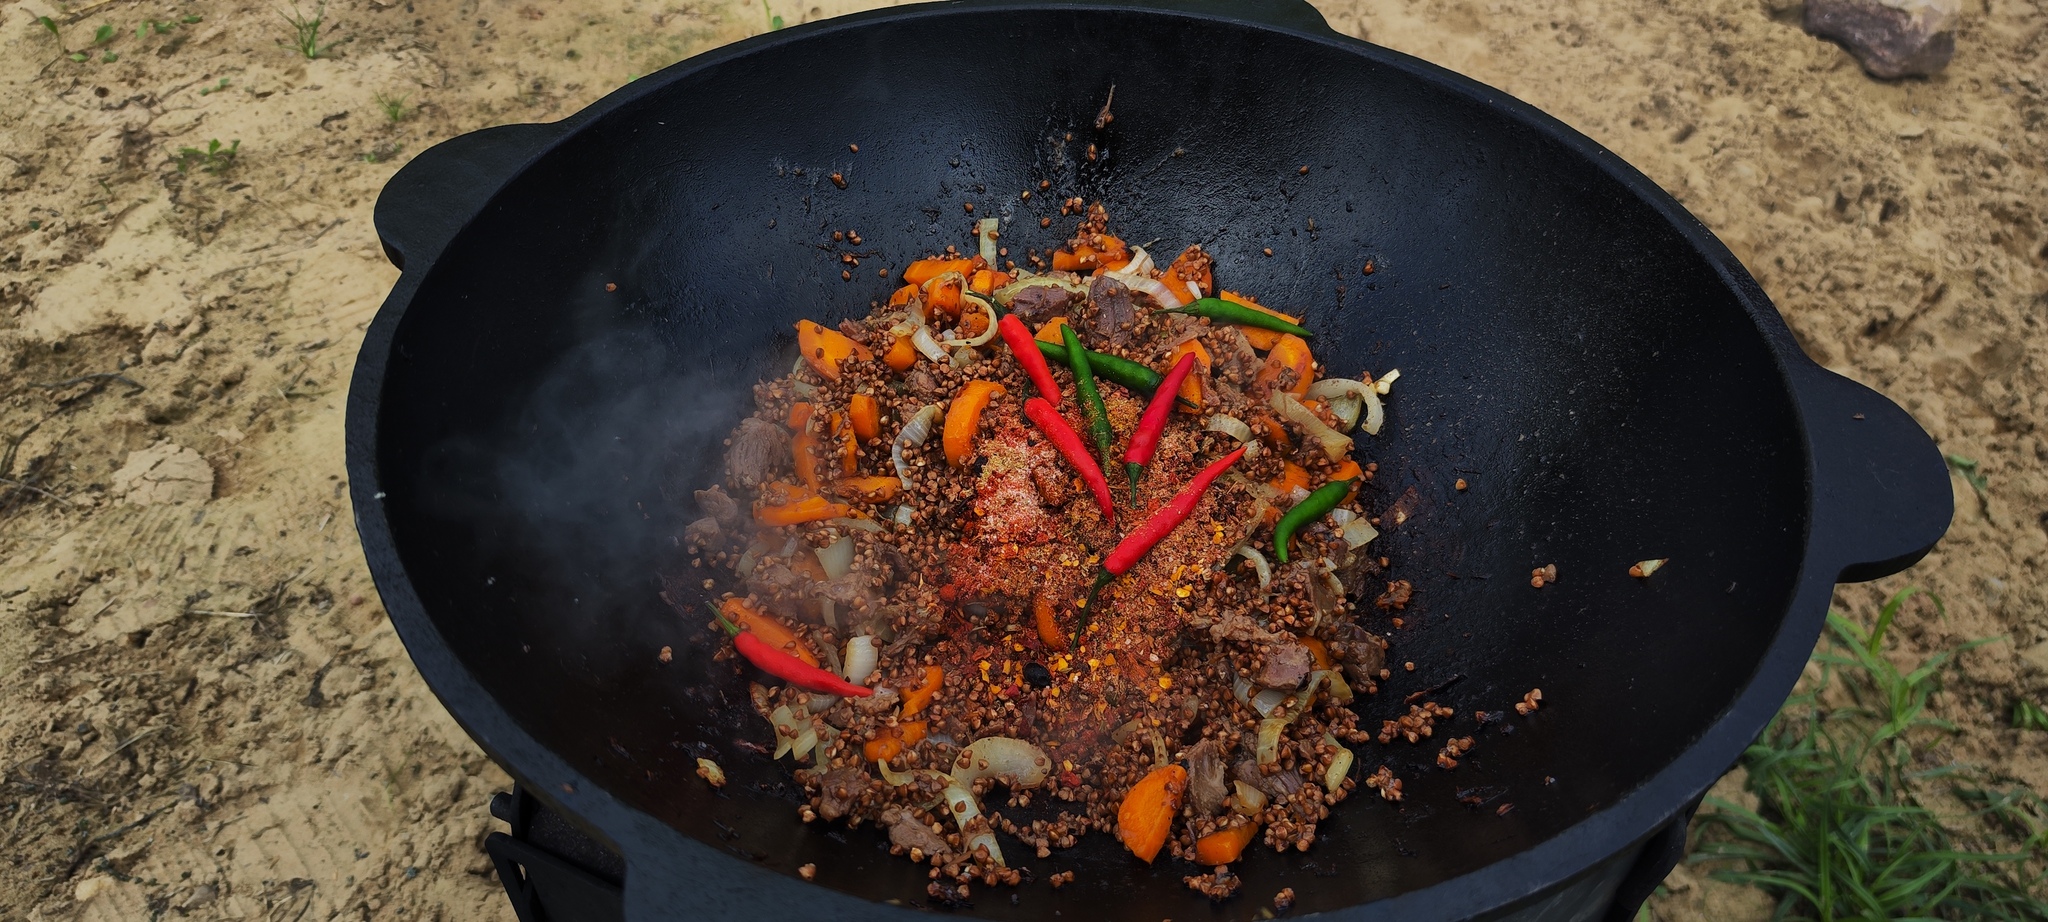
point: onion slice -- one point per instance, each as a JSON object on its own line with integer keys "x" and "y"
{"x": 837, "y": 557}
{"x": 861, "y": 657}
{"x": 1366, "y": 393}
{"x": 1259, "y": 563}
{"x": 1024, "y": 764}
{"x": 1334, "y": 444}
{"x": 929, "y": 347}
{"x": 986, "y": 230}
{"x": 1340, "y": 765}
{"x": 1230, "y": 426}
{"x": 985, "y": 335}
{"x": 914, "y": 432}
{"x": 1152, "y": 287}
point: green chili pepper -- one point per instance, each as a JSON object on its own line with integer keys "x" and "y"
{"x": 1318, "y": 504}
{"x": 1223, "y": 311}
{"x": 1091, "y": 396}
{"x": 1114, "y": 369}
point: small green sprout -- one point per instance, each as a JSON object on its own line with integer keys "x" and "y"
{"x": 394, "y": 107}
{"x": 2026, "y": 715}
{"x": 306, "y": 30}
{"x": 104, "y": 34}
{"x": 210, "y": 90}
{"x": 214, "y": 159}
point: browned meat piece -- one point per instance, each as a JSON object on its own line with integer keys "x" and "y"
{"x": 1287, "y": 665}
{"x": 759, "y": 451}
{"x": 1116, "y": 309}
{"x": 702, "y": 533}
{"x": 906, "y": 831}
{"x": 1362, "y": 652}
{"x": 1241, "y": 628}
{"x": 882, "y": 701}
{"x": 1280, "y": 785}
{"x": 1206, "y": 788}
{"x": 718, "y": 505}
{"x": 838, "y": 791}
{"x": 1040, "y": 303}
{"x": 854, "y": 330}
{"x": 921, "y": 383}
{"x": 1053, "y": 487}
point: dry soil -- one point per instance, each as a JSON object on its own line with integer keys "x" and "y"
{"x": 206, "y": 713}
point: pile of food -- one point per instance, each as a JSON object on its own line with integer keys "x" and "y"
{"x": 1045, "y": 553}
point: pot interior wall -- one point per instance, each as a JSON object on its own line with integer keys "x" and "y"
{"x": 1563, "y": 350}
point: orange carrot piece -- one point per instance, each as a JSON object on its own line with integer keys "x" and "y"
{"x": 1290, "y": 354}
{"x": 1146, "y": 814}
{"x": 866, "y": 413}
{"x": 924, "y": 270}
{"x": 1191, "y": 386}
{"x": 1320, "y": 651}
{"x": 915, "y": 700}
{"x": 1291, "y": 475}
{"x": 824, "y": 349}
{"x": 942, "y": 295}
{"x": 849, "y": 452}
{"x": 800, "y": 414}
{"x": 1048, "y": 624}
{"x": 901, "y": 354}
{"x": 769, "y": 628}
{"x": 1261, "y": 338}
{"x": 869, "y": 489}
{"x": 889, "y": 743}
{"x": 964, "y": 417}
{"x": 982, "y": 282}
{"x": 811, "y": 509}
{"x": 902, "y": 296}
{"x": 1050, "y": 333}
{"x": 1179, "y": 286}
{"x": 804, "y": 448}
{"x": 1349, "y": 470}
{"x": 1225, "y": 845}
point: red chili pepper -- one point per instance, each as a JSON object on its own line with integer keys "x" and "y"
{"x": 1135, "y": 545}
{"x": 1162, "y": 523}
{"x": 784, "y": 666}
{"x": 1025, "y": 347}
{"x": 1076, "y": 452}
{"x": 1153, "y": 424}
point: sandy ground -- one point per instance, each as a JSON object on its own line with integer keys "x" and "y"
{"x": 203, "y": 712}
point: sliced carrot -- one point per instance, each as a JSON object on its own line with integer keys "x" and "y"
{"x": 1289, "y": 365}
{"x": 1050, "y": 333}
{"x": 869, "y": 489}
{"x": 1113, "y": 254}
{"x": 849, "y": 452}
{"x": 807, "y": 566}
{"x": 782, "y": 493}
{"x": 901, "y": 354}
{"x": 1349, "y": 470}
{"x": 800, "y": 414}
{"x": 812, "y": 509}
{"x": 1176, "y": 283}
{"x": 769, "y": 628}
{"x": 915, "y": 700}
{"x": 889, "y": 743}
{"x": 1146, "y": 814}
{"x": 1048, "y": 624}
{"x": 804, "y": 448}
{"x": 824, "y": 349}
{"x": 1319, "y": 650}
{"x": 973, "y": 323}
{"x": 964, "y": 417}
{"x": 982, "y": 282}
{"x": 1291, "y": 475}
{"x": 1191, "y": 386}
{"x": 924, "y": 270}
{"x": 1261, "y": 339}
{"x": 902, "y": 296}
{"x": 942, "y": 295}
{"x": 1225, "y": 845}
{"x": 866, "y": 414}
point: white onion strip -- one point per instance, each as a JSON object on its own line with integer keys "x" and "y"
{"x": 914, "y": 433}
{"x": 1230, "y": 426}
{"x": 1259, "y": 563}
{"x": 986, "y": 334}
{"x": 1335, "y": 444}
{"x": 986, "y": 230}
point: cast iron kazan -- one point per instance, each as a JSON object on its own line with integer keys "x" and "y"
{"x": 585, "y": 304}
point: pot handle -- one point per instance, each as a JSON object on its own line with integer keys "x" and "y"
{"x": 434, "y": 196}
{"x": 1881, "y": 494}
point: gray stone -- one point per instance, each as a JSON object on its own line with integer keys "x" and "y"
{"x": 1891, "y": 38}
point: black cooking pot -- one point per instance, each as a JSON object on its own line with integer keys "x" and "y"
{"x": 585, "y": 304}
